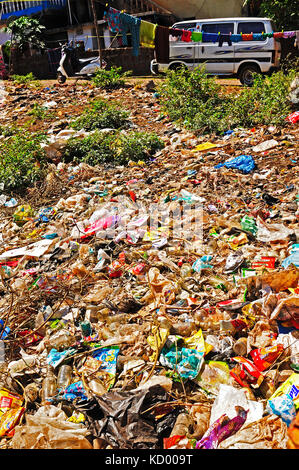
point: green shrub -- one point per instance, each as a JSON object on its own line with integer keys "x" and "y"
{"x": 113, "y": 147}
{"x": 22, "y": 160}
{"x": 100, "y": 115}
{"x": 110, "y": 79}
{"x": 192, "y": 98}
{"x": 40, "y": 113}
{"x": 28, "y": 79}
{"x": 195, "y": 100}
{"x": 266, "y": 102}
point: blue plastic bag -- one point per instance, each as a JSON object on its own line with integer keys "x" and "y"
{"x": 244, "y": 163}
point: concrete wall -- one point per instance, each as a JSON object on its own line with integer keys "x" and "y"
{"x": 203, "y": 8}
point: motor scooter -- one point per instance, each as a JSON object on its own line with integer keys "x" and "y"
{"x": 70, "y": 65}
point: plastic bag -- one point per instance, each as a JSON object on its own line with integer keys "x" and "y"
{"x": 244, "y": 163}
{"x": 214, "y": 373}
{"x": 229, "y": 397}
{"x": 289, "y": 389}
{"x": 222, "y": 429}
{"x": 50, "y": 429}
{"x": 126, "y": 420}
{"x": 269, "y": 432}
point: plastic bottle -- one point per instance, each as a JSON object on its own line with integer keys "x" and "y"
{"x": 49, "y": 386}
{"x": 186, "y": 270}
{"x": 240, "y": 347}
{"x": 64, "y": 378}
{"x": 86, "y": 329}
{"x": 62, "y": 339}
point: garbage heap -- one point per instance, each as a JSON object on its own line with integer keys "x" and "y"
{"x": 155, "y": 305}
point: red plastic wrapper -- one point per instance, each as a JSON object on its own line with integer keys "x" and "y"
{"x": 293, "y": 117}
{"x": 176, "y": 442}
{"x": 132, "y": 196}
{"x": 115, "y": 269}
{"x": 9, "y": 420}
{"x": 264, "y": 357}
{"x": 138, "y": 269}
{"x": 246, "y": 373}
{"x": 266, "y": 261}
{"x": 30, "y": 338}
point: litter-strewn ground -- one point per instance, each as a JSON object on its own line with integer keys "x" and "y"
{"x": 153, "y": 305}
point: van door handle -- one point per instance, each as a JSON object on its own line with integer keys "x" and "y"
{"x": 202, "y": 49}
{"x": 190, "y": 47}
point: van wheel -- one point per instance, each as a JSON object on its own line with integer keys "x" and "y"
{"x": 246, "y": 74}
{"x": 178, "y": 67}
{"x": 61, "y": 78}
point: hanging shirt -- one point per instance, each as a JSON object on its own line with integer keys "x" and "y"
{"x": 235, "y": 37}
{"x": 196, "y": 36}
{"x": 186, "y": 36}
{"x": 113, "y": 18}
{"x": 162, "y": 44}
{"x": 176, "y": 33}
{"x": 277, "y": 35}
{"x": 147, "y": 34}
{"x": 224, "y": 38}
{"x": 131, "y": 25}
{"x": 289, "y": 34}
{"x": 258, "y": 37}
{"x": 210, "y": 37}
{"x": 247, "y": 37}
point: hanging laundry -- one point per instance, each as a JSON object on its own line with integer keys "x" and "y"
{"x": 289, "y": 34}
{"x": 131, "y": 25}
{"x": 162, "y": 44}
{"x": 277, "y": 35}
{"x": 175, "y": 34}
{"x": 247, "y": 37}
{"x": 224, "y": 38}
{"x": 235, "y": 37}
{"x": 186, "y": 36}
{"x": 210, "y": 37}
{"x": 112, "y": 16}
{"x": 196, "y": 36}
{"x": 147, "y": 34}
{"x": 258, "y": 37}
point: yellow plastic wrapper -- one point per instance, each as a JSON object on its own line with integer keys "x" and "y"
{"x": 197, "y": 342}
{"x": 22, "y": 214}
{"x": 77, "y": 418}
{"x": 9, "y": 420}
{"x": 204, "y": 146}
{"x": 290, "y": 388}
{"x": 157, "y": 341}
{"x": 9, "y": 400}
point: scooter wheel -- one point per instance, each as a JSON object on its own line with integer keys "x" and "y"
{"x": 61, "y": 78}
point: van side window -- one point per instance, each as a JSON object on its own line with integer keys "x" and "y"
{"x": 186, "y": 26}
{"x": 256, "y": 27}
{"x": 224, "y": 28}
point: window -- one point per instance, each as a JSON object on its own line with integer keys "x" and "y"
{"x": 186, "y": 26}
{"x": 256, "y": 27}
{"x": 224, "y": 28}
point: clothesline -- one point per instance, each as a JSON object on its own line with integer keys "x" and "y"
{"x": 146, "y": 34}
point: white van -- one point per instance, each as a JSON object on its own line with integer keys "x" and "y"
{"x": 240, "y": 59}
